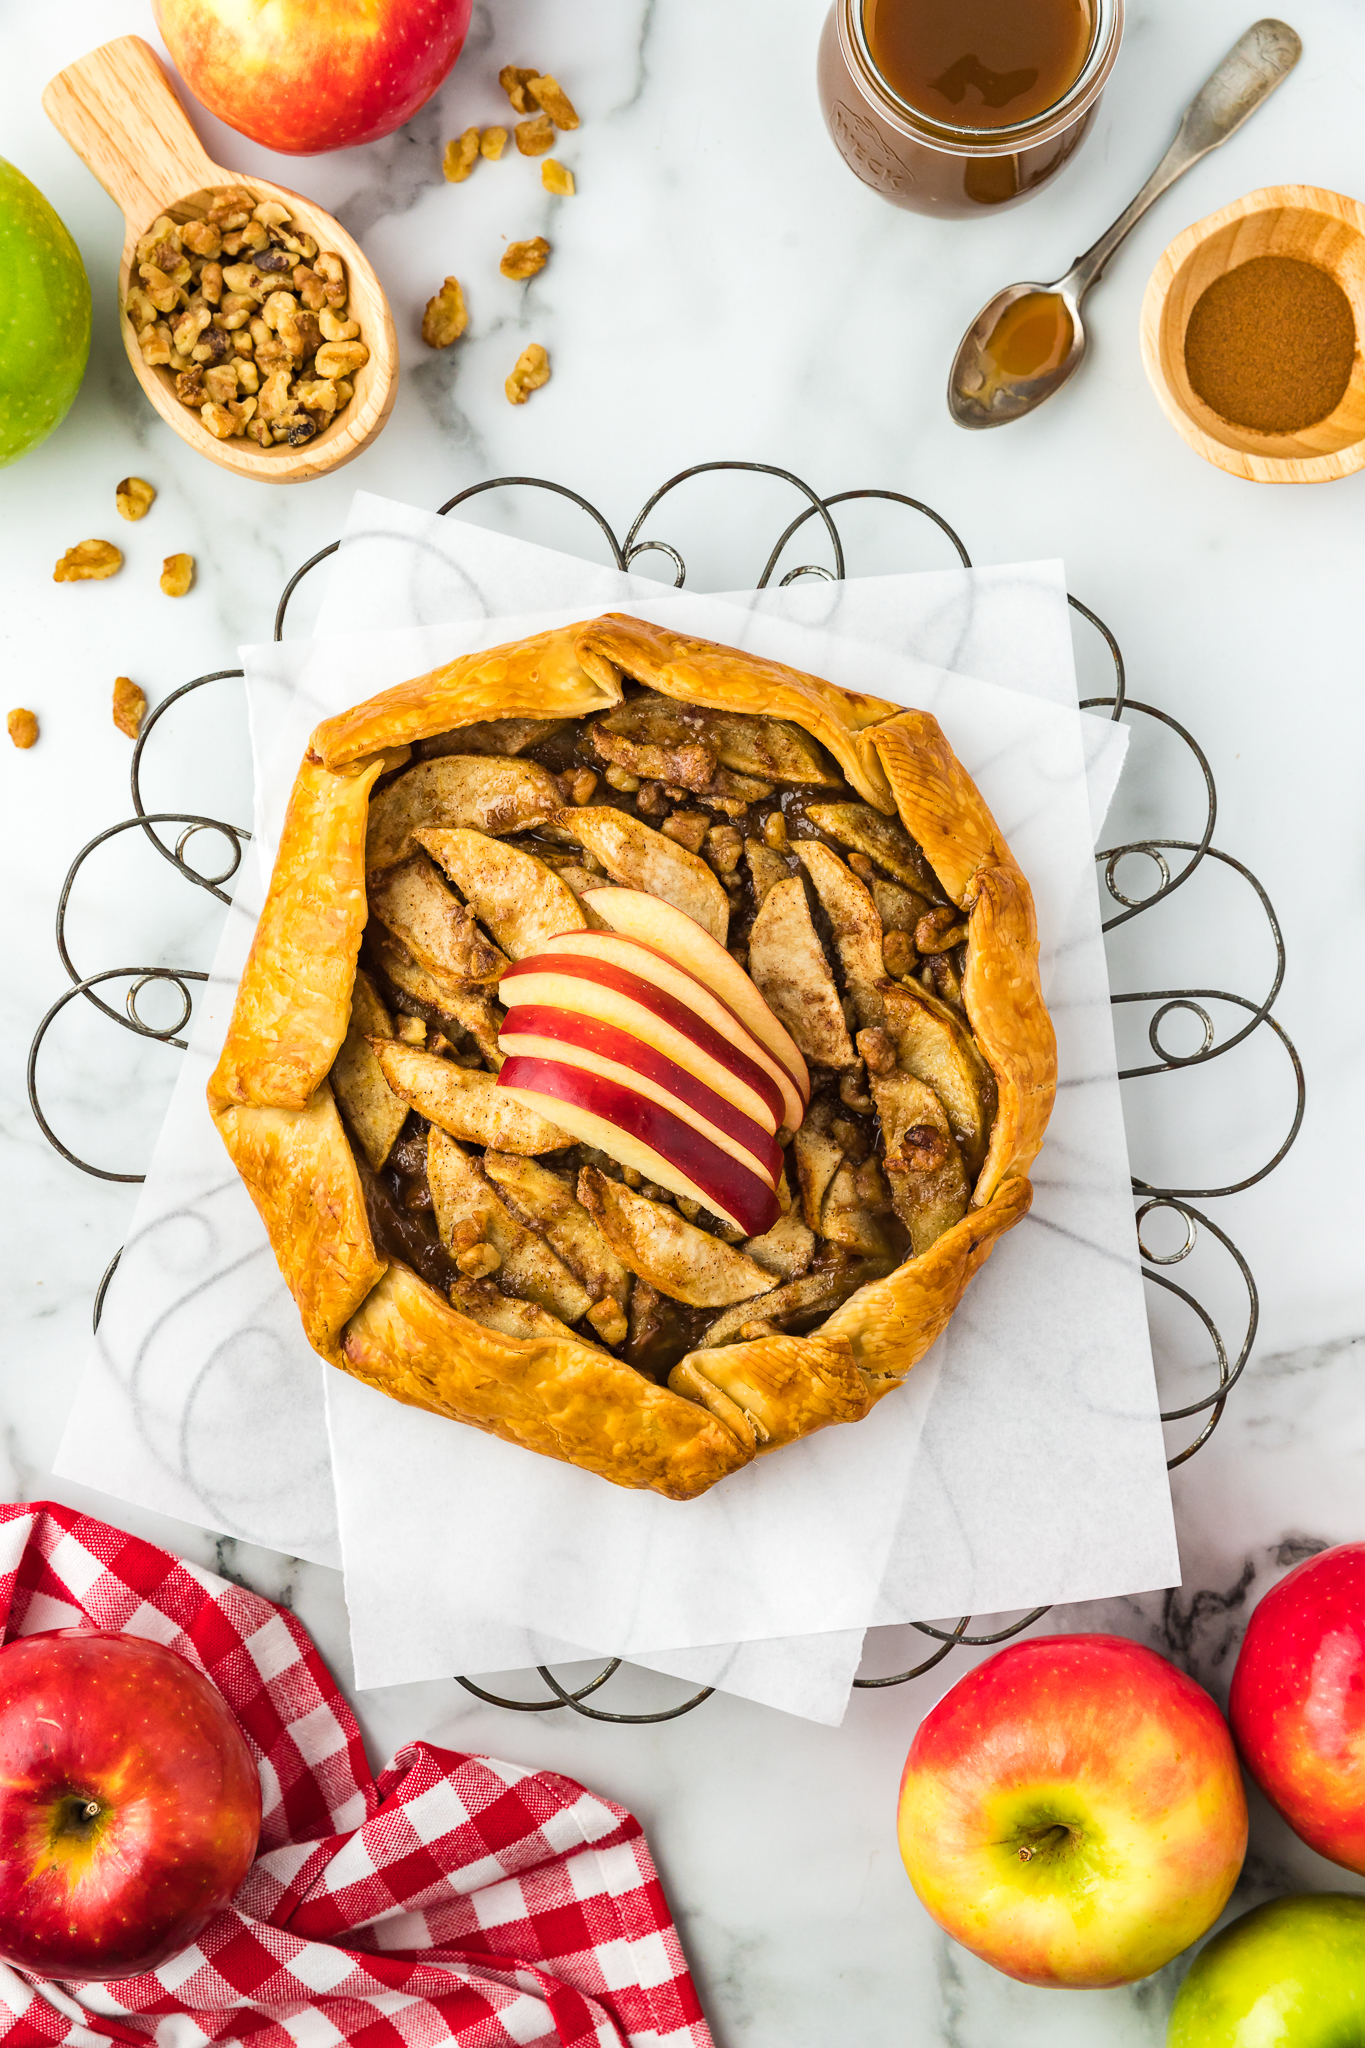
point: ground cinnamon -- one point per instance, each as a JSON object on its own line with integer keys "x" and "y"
{"x": 1271, "y": 345}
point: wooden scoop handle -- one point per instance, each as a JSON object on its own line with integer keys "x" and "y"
{"x": 117, "y": 109}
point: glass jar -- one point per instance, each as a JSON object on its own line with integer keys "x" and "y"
{"x": 928, "y": 166}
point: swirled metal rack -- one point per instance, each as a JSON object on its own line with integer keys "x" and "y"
{"x": 1175, "y": 861}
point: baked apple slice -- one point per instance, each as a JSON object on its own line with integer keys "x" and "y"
{"x": 520, "y": 900}
{"x": 457, "y": 1007}
{"x": 369, "y": 1105}
{"x": 853, "y": 919}
{"x": 659, "y": 1245}
{"x": 440, "y": 932}
{"x": 882, "y": 839}
{"x": 934, "y": 1043}
{"x": 545, "y": 1201}
{"x": 786, "y": 1250}
{"x": 637, "y": 856}
{"x": 476, "y": 790}
{"x": 466, "y": 1102}
{"x": 674, "y": 936}
{"x": 794, "y": 979}
{"x": 929, "y": 1185}
{"x": 470, "y": 1213}
{"x": 484, "y": 1303}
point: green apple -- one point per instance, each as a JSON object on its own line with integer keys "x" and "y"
{"x": 1291, "y": 1974}
{"x": 44, "y": 316}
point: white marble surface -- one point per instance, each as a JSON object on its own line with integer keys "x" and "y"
{"x": 723, "y": 287}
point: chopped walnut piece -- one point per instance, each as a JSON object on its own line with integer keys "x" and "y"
{"x": 898, "y": 954}
{"x": 177, "y": 574}
{"x": 334, "y": 329}
{"x": 622, "y": 779}
{"x": 461, "y": 155}
{"x": 22, "y": 727}
{"x": 534, "y": 138}
{"x": 130, "y": 706}
{"x": 90, "y": 561}
{"x": 133, "y": 498}
{"x": 557, "y": 178}
{"x": 550, "y": 96}
{"x": 340, "y": 358}
{"x": 922, "y": 1149}
{"x": 940, "y": 929}
{"x": 775, "y": 832}
{"x": 479, "y": 1261}
{"x": 514, "y": 81}
{"x": 531, "y": 371}
{"x": 878, "y": 1049}
{"x": 445, "y": 319}
{"x": 579, "y": 786}
{"x": 492, "y": 143}
{"x": 608, "y": 1318}
{"x": 687, "y": 828}
{"x": 724, "y": 846}
{"x": 524, "y": 259}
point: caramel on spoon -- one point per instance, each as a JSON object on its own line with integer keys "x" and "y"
{"x": 1025, "y": 343}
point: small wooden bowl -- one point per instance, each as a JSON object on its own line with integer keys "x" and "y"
{"x": 117, "y": 110}
{"x": 1281, "y": 220}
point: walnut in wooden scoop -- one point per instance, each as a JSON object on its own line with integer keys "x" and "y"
{"x": 118, "y": 111}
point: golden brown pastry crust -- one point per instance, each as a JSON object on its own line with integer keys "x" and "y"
{"x": 536, "y": 678}
{"x": 566, "y": 1398}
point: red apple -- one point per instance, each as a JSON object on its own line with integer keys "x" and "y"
{"x": 545, "y": 1033}
{"x": 1298, "y": 1702}
{"x": 670, "y": 933}
{"x": 1072, "y": 1811}
{"x": 595, "y": 988}
{"x": 303, "y": 76}
{"x": 645, "y": 1135}
{"x": 129, "y": 1804}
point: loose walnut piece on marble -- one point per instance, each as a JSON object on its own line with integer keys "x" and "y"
{"x": 550, "y": 96}
{"x": 177, "y": 574}
{"x": 536, "y": 136}
{"x": 235, "y": 295}
{"x": 514, "y": 80}
{"x": 531, "y": 371}
{"x": 492, "y": 143}
{"x": 130, "y": 706}
{"x": 461, "y": 155}
{"x": 446, "y": 317}
{"x": 525, "y": 259}
{"x": 90, "y": 561}
{"x": 22, "y": 727}
{"x": 557, "y": 178}
{"x": 133, "y": 498}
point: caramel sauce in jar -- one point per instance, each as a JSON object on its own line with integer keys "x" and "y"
{"x": 979, "y": 63}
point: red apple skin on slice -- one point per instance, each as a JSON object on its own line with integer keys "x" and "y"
{"x": 541, "y": 1032}
{"x": 642, "y": 1134}
{"x": 679, "y": 937}
{"x": 617, "y": 997}
{"x": 656, "y": 967}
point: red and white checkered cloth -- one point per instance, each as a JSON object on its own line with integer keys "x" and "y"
{"x": 452, "y": 1899}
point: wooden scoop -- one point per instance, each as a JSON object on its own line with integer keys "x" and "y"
{"x": 117, "y": 110}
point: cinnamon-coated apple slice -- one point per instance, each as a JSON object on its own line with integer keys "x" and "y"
{"x": 642, "y": 1134}
{"x": 595, "y": 988}
{"x": 520, "y": 900}
{"x": 669, "y": 1253}
{"x": 599, "y": 1048}
{"x": 635, "y": 854}
{"x": 464, "y": 1101}
{"x": 679, "y": 937}
{"x": 661, "y": 970}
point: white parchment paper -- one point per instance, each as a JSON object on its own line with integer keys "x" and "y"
{"x": 461, "y": 1553}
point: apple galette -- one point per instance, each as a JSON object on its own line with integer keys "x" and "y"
{"x": 640, "y": 1049}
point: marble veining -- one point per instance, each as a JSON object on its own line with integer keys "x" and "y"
{"x": 721, "y": 285}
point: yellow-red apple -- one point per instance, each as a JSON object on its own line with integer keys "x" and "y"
{"x": 673, "y": 935}
{"x": 645, "y": 1135}
{"x": 129, "y": 1804}
{"x": 1298, "y": 1702}
{"x": 1072, "y": 1811}
{"x": 303, "y": 76}
{"x": 578, "y": 1041}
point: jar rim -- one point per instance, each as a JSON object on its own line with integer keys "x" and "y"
{"x": 1084, "y": 88}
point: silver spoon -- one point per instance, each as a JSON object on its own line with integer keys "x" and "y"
{"x": 1047, "y": 342}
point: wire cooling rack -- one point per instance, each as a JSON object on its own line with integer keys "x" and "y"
{"x": 1173, "y": 864}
